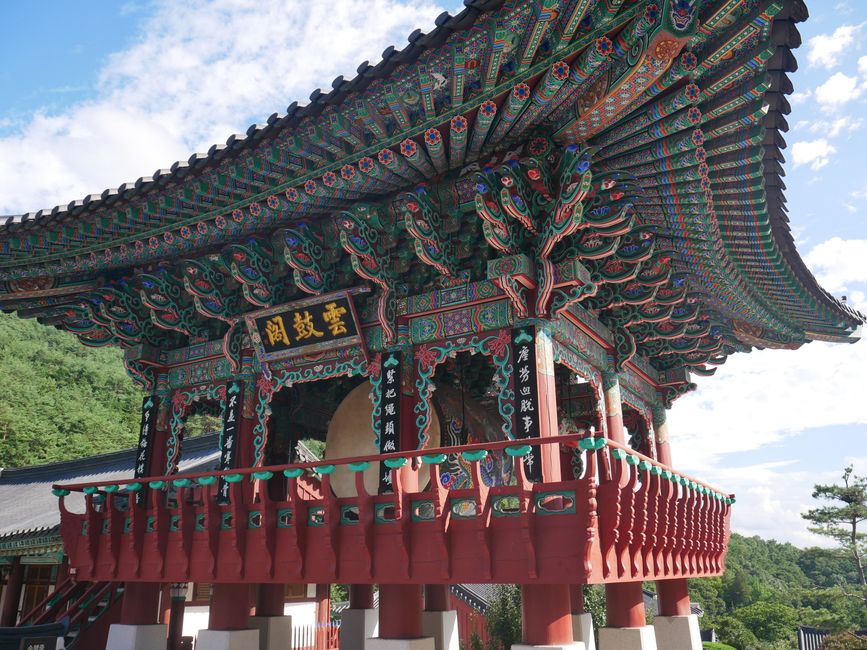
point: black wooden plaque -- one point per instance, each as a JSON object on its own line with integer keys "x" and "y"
{"x": 149, "y": 406}
{"x": 389, "y": 419}
{"x": 229, "y": 439}
{"x": 526, "y": 416}
{"x": 39, "y": 643}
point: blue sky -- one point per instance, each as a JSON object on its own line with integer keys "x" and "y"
{"x": 99, "y": 93}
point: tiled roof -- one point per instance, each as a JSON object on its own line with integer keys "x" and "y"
{"x": 29, "y": 511}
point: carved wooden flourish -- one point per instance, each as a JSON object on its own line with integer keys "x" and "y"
{"x": 421, "y": 217}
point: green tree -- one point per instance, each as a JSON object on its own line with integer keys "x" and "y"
{"x": 769, "y": 621}
{"x": 840, "y": 519}
{"x": 733, "y": 632}
{"x": 504, "y": 618}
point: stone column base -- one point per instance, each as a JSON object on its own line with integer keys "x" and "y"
{"x": 228, "y": 639}
{"x": 424, "y": 643}
{"x": 357, "y": 627}
{"x": 275, "y": 632}
{"x": 565, "y": 646}
{"x": 443, "y": 627}
{"x": 627, "y": 638}
{"x": 677, "y": 632}
{"x": 137, "y": 637}
{"x": 582, "y": 630}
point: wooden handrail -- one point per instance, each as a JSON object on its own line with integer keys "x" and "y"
{"x": 570, "y": 440}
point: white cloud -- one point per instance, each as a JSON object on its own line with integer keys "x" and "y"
{"x": 800, "y": 97}
{"x": 838, "y": 90}
{"x": 825, "y": 49}
{"x": 766, "y": 397}
{"x": 190, "y": 81}
{"x": 850, "y": 207}
{"x": 839, "y": 263}
{"x": 833, "y": 128}
{"x": 816, "y": 153}
{"x": 862, "y": 66}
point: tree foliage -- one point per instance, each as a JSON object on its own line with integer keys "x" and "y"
{"x": 842, "y": 517}
{"x": 58, "y": 399}
{"x": 504, "y": 618}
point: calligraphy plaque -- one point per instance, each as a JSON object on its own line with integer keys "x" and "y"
{"x": 229, "y": 439}
{"x": 389, "y": 419}
{"x": 149, "y": 406}
{"x": 306, "y": 326}
{"x": 526, "y": 416}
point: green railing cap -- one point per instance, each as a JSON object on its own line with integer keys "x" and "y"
{"x": 618, "y": 453}
{"x": 90, "y": 489}
{"x": 133, "y": 487}
{"x": 293, "y": 472}
{"x": 111, "y": 488}
{"x": 645, "y": 466}
{"x": 433, "y": 459}
{"x": 360, "y": 466}
{"x": 263, "y": 476}
{"x": 395, "y": 463}
{"x": 182, "y": 482}
{"x": 206, "y": 480}
{"x": 519, "y": 450}
{"x": 471, "y": 456}
{"x": 157, "y": 485}
{"x": 587, "y": 443}
{"x": 59, "y": 492}
{"x": 233, "y": 478}
{"x": 656, "y": 470}
{"x": 632, "y": 459}
{"x": 322, "y": 470}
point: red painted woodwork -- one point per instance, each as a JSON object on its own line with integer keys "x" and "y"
{"x": 270, "y": 599}
{"x": 546, "y": 616}
{"x": 548, "y": 424}
{"x": 141, "y": 602}
{"x": 605, "y": 527}
{"x": 436, "y": 598}
{"x": 576, "y": 599}
{"x": 470, "y": 622}
{"x": 12, "y": 594}
{"x": 323, "y": 615}
{"x": 399, "y": 611}
{"x": 361, "y": 596}
{"x": 673, "y": 597}
{"x": 624, "y": 605}
{"x": 229, "y": 607}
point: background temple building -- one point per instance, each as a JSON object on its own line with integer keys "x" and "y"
{"x": 480, "y": 271}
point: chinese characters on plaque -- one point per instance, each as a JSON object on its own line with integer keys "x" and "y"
{"x": 149, "y": 407}
{"x": 229, "y": 440}
{"x": 389, "y": 420}
{"x": 526, "y": 417}
{"x": 292, "y": 329}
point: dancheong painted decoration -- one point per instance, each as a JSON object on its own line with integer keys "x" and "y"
{"x": 480, "y": 271}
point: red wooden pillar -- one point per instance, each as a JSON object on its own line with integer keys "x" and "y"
{"x": 624, "y": 605}
{"x": 436, "y": 598}
{"x": 399, "y": 611}
{"x": 548, "y": 424}
{"x": 12, "y": 594}
{"x": 576, "y": 598}
{"x": 62, "y": 572}
{"x": 230, "y": 607}
{"x": 270, "y": 600}
{"x": 166, "y": 604}
{"x": 177, "y": 608}
{"x": 673, "y": 597}
{"x": 624, "y": 602}
{"x": 323, "y": 615}
{"x": 546, "y": 615}
{"x": 660, "y": 429}
{"x": 140, "y": 605}
{"x": 360, "y": 596}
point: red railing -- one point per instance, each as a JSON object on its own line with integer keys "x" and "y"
{"x": 626, "y": 518}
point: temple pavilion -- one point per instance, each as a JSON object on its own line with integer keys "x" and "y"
{"x": 480, "y": 271}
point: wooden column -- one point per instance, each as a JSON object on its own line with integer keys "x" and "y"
{"x": 230, "y": 607}
{"x": 177, "y": 608}
{"x": 673, "y": 597}
{"x": 624, "y": 605}
{"x": 624, "y": 602}
{"x": 436, "y": 598}
{"x": 12, "y": 594}
{"x": 166, "y": 604}
{"x": 613, "y": 407}
{"x": 400, "y": 611}
{"x": 270, "y": 600}
{"x": 548, "y": 423}
{"x": 62, "y": 571}
{"x": 546, "y": 615}
{"x": 360, "y": 596}
{"x": 576, "y": 598}
{"x": 660, "y": 428}
{"x": 140, "y": 604}
{"x": 323, "y": 615}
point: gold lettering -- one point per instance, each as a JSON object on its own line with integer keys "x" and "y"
{"x": 303, "y": 325}
{"x": 275, "y": 330}
{"x": 333, "y": 316}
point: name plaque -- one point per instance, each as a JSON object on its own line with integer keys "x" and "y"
{"x": 306, "y": 326}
